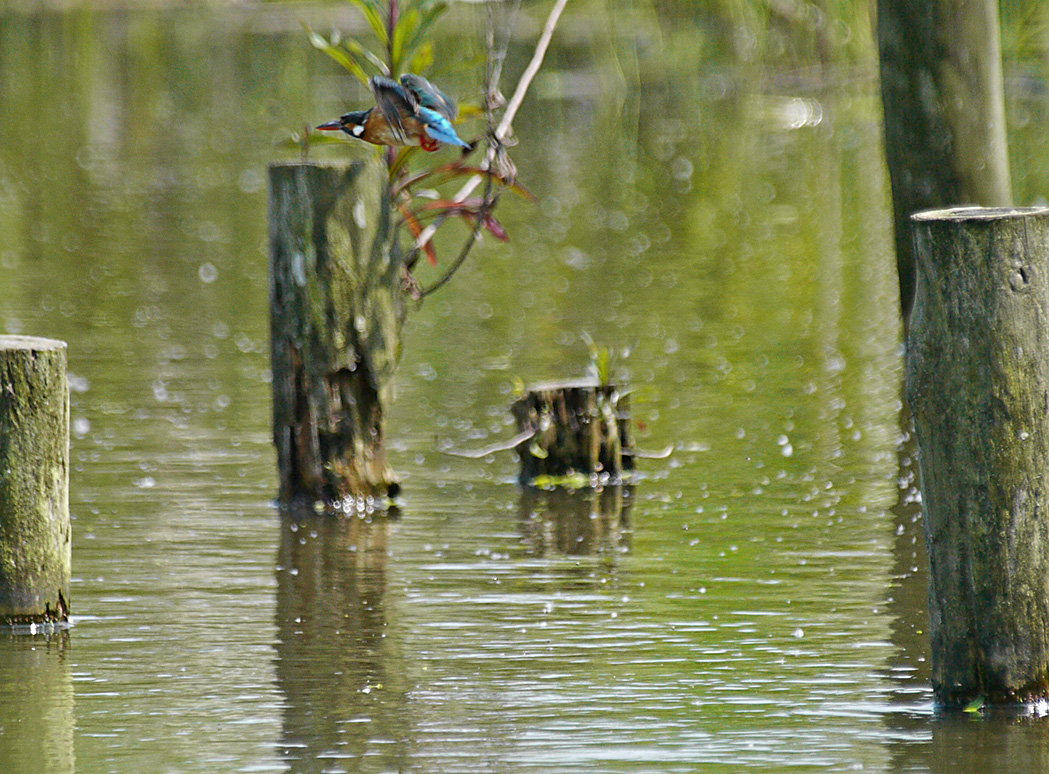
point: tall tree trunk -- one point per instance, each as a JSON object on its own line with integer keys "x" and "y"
{"x": 941, "y": 85}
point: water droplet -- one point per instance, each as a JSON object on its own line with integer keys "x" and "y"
{"x": 208, "y": 273}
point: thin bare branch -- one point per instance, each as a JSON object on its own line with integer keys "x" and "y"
{"x": 503, "y": 129}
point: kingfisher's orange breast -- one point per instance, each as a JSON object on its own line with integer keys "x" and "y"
{"x": 377, "y": 130}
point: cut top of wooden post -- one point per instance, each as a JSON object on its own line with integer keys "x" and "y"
{"x": 31, "y": 343}
{"x": 977, "y": 213}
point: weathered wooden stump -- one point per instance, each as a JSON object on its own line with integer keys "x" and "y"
{"x": 336, "y": 315}
{"x": 579, "y": 428}
{"x": 977, "y": 380}
{"x": 35, "y": 536}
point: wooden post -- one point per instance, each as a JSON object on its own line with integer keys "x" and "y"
{"x": 581, "y": 428}
{"x": 977, "y": 380}
{"x": 35, "y": 537}
{"x": 337, "y": 309}
{"x": 942, "y": 93}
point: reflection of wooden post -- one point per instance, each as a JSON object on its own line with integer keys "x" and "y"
{"x": 581, "y": 427}
{"x": 36, "y": 703}
{"x": 941, "y": 84}
{"x": 35, "y": 539}
{"x": 336, "y": 315}
{"x": 978, "y": 385}
{"x": 338, "y": 666}
{"x": 575, "y": 522}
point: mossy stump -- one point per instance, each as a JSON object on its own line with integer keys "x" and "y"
{"x": 579, "y": 428}
{"x": 35, "y": 536}
{"x": 977, "y": 381}
{"x": 336, "y": 309}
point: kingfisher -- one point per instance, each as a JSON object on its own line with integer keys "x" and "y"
{"x": 412, "y": 112}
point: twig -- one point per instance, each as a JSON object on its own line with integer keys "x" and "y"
{"x": 482, "y": 216}
{"x": 512, "y": 107}
{"x": 476, "y": 454}
{"x": 530, "y": 71}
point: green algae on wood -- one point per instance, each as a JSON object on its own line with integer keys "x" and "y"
{"x": 977, "y": 380}
{"x": 337, "y": 308}
{"x": 35, "y": 534}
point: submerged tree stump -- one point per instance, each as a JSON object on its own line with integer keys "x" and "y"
{"x": 35, "y": 536}
{"x": 336, "y": 316}
{"x": 977, "y": 380}
{"x": 578, "y": 428}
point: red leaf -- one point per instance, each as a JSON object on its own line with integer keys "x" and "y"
{"x": 417, "y": 228}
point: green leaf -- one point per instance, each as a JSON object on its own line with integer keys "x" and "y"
{"x": 360, "y": 51}
{"x": 404, "y": 30}
{"x": 428, "y": 17}
{"x": 422, "y": 59}
{"x": 321, "y": 44}
{"x": 975, "y": 705}
{"x": 371, "y": 12}
{"x": 403, "y": 155}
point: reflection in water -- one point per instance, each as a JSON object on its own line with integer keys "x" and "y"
{"x": 909, "y": 666}
{"x": 344, "y": 695}
{"x": 576, "y": 522}
{"x": 962, "y": 744}
{"x": 36, "y": 704}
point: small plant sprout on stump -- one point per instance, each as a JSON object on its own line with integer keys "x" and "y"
{"x": 576, "y": 432}
{"x": 977, "y": 379}
{"x": 346, "y": 240}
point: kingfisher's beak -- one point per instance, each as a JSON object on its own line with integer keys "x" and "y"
{"x": 331, "y": 125}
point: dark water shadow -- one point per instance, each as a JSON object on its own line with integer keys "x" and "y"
{"x": 344, "y": 695}
{"x": 986, "y": 743}
{"x": 909, "y": 668}
{"x": 576, "y": 522}
{"x": 37, "y": 718}
{"x": 910, "y": 665}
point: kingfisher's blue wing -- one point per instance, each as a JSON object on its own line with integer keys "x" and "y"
{"x": 439, "y": 128}
{"x": 395, "y": 103}
{"x": 429, "y": 96}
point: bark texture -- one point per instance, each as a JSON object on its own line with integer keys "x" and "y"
{"x": 977, "y": 380}
{"x": 337, "y": 311}
{"x": 35, "y": 536}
